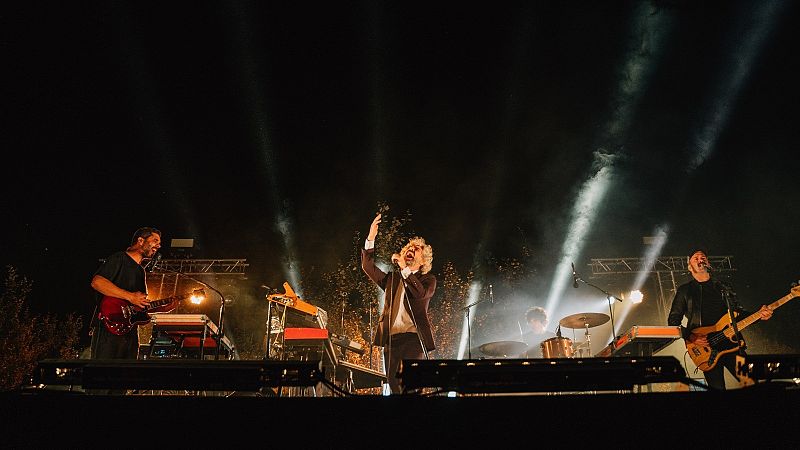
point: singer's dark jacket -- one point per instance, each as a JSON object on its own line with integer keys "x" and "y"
{"x": 419, "y": 290}
{"x": 688, "y": 301}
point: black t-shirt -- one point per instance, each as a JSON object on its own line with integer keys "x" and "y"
{"x": 713, "y": 306}
{"x": 124, "y": 272}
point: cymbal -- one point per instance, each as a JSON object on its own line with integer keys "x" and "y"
{"x": 582, "y": 320}
{"x": 503, "y": 348}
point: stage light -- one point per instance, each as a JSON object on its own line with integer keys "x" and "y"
{"x": 636, "y": 296}
{"x": 584, "y": 213}
{"x": 733, "y": 76}
{"x": 196, "y": 299}
{"x": 181, "y": 248}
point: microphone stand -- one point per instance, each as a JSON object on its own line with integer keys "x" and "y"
{"x": 220, "y": 331}
{"x": 371, "y": 335}
{"x": 268, "y": 332}
{"x": 469, "y": 326}
{"x": 609, "y": 296}
{"x": 727, "y": 293}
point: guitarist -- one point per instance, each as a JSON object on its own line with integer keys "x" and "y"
{"x": 701, "y": 301}
{"x": 122, "y": 276}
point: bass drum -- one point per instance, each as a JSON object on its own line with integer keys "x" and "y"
{"x": 557, "y": 347}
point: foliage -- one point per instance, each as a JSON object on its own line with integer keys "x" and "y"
{"x": 353, "y": 303}
{"x": 352, "y": 300}
{"x": 508, "y": 274}
{"x": 446, "y": 309}
{"x": 27, "y": 338}
{"x": 349, "y": 297}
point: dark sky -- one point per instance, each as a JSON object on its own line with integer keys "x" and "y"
{"x": 218, "y": 120}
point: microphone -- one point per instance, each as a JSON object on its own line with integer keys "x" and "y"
{"x": 707, "y": 266}
{"x": 558, "y": 330}
{"x": 574, "y": 279}
{"x": 156, "y": 258}
{"x": 491, "y": 295}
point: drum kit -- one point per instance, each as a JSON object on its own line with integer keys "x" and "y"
{"x": 503, "y": 349}
{"x": 555, "y": 347}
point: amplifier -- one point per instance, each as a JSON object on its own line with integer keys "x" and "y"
{"x": 768, "y": 367}
{"x": 175, "y": 374}
{"x": 539, "y": 375}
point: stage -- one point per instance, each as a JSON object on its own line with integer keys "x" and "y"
{"x": 287, "y": 403}
{"x": 761, "y": 416}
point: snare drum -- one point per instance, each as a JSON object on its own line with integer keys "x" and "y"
{"x": 557, "y": 347}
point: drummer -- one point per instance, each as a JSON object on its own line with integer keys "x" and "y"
{"x": 536, "y": 318}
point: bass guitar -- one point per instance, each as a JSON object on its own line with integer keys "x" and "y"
{"x": 120, "y": 316}
{"x": 721, "y": 337}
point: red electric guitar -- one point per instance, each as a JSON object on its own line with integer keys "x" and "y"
{"x": 120, "y": 316}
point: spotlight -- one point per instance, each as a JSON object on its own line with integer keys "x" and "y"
{"x": 636, "y": 296}
{"x": 196, "y": 299}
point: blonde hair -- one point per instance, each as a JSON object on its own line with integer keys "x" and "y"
{"x": 427, "y": 252}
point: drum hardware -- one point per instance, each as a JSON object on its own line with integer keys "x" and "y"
{"x": 503, "y": 349}
{"x": 585, "y": 321}
{"x": 583, "y": 349}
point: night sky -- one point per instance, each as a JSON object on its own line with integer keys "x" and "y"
{"x": 240, "y": 123}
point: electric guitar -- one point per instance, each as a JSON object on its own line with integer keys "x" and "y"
{"x": 721, "y": 337}
{"x": 120, "y": 316}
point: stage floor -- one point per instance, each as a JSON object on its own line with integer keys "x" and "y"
{"x": 764, "y": 416}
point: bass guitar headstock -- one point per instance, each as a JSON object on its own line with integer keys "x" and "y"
{"x": 795, "y": 288}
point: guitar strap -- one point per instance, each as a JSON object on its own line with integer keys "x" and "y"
{"x": 93, "y": 322}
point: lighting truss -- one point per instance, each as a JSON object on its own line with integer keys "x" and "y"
{"x": 610, "y": 266}
{"x": 664, "y": 268}
{"x": 164, "y": 276}
{"x": 202, "y": 266}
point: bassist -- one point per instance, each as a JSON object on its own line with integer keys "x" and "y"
{"x": 702, "y": 300}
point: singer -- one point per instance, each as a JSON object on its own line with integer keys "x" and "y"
{"x": 405, "y": 329}
{"x": 122, "y": 276}
{"x": 702, "y": 301}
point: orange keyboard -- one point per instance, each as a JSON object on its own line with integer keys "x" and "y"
{"x": 641, "y": 340}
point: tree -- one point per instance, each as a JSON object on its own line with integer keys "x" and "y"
{"x": 27, "y": 338}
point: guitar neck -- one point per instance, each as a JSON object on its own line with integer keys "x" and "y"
{"x": 752, "y": 318}
{"x": 159, "y": 303}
